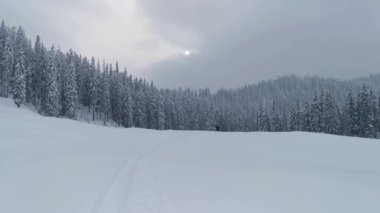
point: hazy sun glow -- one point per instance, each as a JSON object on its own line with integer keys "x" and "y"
{"x": 187, "y": 53}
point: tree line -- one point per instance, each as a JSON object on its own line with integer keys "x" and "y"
{"x": 63, "y": 84}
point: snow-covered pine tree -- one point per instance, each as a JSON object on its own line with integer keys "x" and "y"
{"x": 207, "y": 112}
{"x": 70, "y": 94}
{"x": 6, "y": 61}
{"x": 80, "y": 67}
{"x": 307, "y": 118}
{"x": 330, "y": 116}
{"x": 351, "y": 115}
{"x": 61, "y": 64}
{"x": 104, "y": 94}
{"x": 98, "y": 85}
{"x": 263, "y": 120}
{"x": 169, "y": 110}
{"x": 127, "y": 101}
{"x": 139, "y": 105}
{"x": 50, "y": 104}
{"x": 19, "y": 78}
{"x": 178, "y": 111}
{"x": 315, "y": 114}
{"x": 377, "y": 127}
{"x": 295, "y": 118}
{"x": 115, "y": 94}
{"x": 29, "y": 54}
{"x": 92, "y": 93}
{"x": 151, "y": 107}
{"x": 3, "y": 36}
{"x": 374, "y": 115}
{"x": 38, "y": 73}
{"x": 284, "y": 121}
{"x": 3, "y": 71}
{"x": 276, "y": 125}
{"x": 364, "y": 112}
{"x": 85, "y": 71}
{"x": 160, "y": 113}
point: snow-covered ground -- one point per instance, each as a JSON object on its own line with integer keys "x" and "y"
{"x": 50, "y": 165}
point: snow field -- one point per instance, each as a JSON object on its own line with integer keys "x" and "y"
{"x": 58, "y": 165}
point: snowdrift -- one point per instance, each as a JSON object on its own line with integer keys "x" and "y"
{"x": 50, "y": 165}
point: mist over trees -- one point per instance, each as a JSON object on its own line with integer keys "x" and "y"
{"x": 63, "y": 84}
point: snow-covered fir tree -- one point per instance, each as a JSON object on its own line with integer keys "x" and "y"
{"x": 50, "y": 104}
{"x": 330, "y": 115}
{"x": 19, "y": 80}
{"x": 276, "y": 123}
{"x": 104, "y": 94}
{"x": 91, "y": 87}
{"x": 295, "y": 117}
{"x": 364, "y": 112}
{"x": 70, "y": 94}
{"x": 6, "y": 60}
{"x": 3, "y": 71}
{"x": 127, "y": 101}
{"x": 351, "y": 116}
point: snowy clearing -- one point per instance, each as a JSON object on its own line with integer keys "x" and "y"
{"x": 50, "y": 165}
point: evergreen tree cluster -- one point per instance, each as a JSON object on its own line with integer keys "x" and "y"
{"x": 358, "y": 117}
{"x": 60, "y": 84}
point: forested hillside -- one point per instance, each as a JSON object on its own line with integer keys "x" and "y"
{"x": 64, "y": 84}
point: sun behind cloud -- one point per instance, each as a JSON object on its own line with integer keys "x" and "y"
{"x": 187, "y": 52}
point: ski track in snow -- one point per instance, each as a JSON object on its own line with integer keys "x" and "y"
{"x": 143, "y": 192}
{"x": 130, "y": 189}
{"x": 142, "y": 195}
{"x": 120, "y": 182}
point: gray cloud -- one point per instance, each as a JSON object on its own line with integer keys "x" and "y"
{"x": 54, "y": 20}
{"x": 233, "y": 42}
{"x": 114, "y": 30}
{"x": 245, "y": 41}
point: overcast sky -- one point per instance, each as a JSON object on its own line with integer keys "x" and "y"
{"x": 227, "y": 43}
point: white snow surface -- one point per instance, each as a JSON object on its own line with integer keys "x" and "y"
{"x": 53, "y": 165}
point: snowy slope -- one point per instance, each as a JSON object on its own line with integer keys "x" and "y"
{"x": 50, "y": 165}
